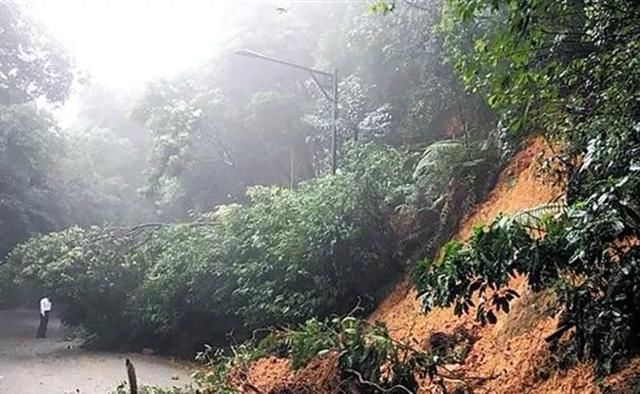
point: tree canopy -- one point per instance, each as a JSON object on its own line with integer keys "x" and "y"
{"x": 205, "y": 204}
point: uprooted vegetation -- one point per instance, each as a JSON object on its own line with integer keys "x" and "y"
{"x": 277, "y": 269}
{"x": 287, "y": 256}
{"x": 305, "y": 359}
{"x": 583, "y": 251}
{"x": 358, "y": 356}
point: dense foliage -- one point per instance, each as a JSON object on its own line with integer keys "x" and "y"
{"x": 32, "y": 66}
{"x": 29, "y": 197}
{"x": 50, "y": 177}
{"x": 195, "y": 270}
{"x": 284, "y": 257}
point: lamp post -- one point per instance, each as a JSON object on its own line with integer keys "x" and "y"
{"x": 331, "y": 95}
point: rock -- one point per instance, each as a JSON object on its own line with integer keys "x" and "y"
{"x": 147, "y": 351}
{"x": 175, "y": 377}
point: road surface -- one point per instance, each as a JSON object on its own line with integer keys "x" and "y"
{"x": 56, "y": 366}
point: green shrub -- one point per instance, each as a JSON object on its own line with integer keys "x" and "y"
{"x": 388, "y": 170}
{"x": 471, "y": 164}
{"x": 367, "y": 356}
{"x": 313, "y": 338}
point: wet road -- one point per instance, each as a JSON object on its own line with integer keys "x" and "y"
{"x": 56, "y": 366}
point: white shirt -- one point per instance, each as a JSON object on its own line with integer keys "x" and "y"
{"x": 45, "y": 305}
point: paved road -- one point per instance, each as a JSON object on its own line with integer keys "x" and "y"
{"x": 56, "y": 366}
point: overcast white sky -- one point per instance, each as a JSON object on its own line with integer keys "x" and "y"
{"x": 127, "y": 42}
{"x": 122, "y": 44}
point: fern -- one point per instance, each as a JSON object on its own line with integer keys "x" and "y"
{"x": 535, "y": 216}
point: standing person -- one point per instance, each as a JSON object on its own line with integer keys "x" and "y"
{"x": 45, "y": 308}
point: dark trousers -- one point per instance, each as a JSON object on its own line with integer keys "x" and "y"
{"x": 42, "y": 329}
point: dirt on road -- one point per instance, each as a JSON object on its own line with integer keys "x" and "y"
{"x": 58, "y": 366}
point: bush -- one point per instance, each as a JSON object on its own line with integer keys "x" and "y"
{"x": 388, "y": 170}
{"x": 319, "y": 250}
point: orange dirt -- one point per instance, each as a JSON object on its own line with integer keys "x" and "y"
{"x": 512, "y": 364}
{"x": 268, "y": 372}
{"x": 512, "y": 354}
{"x": 274, "y": 375}
{"x": 519, "y": 187}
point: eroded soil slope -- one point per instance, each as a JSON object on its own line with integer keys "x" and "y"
{"x": 508, "y": 357}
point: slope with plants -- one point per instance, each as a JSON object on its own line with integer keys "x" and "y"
{"x": 512, "y": 304}
{"x": 518, "y": 187}
{"x": 570, "y": 70}
{"x": 511, "y": 355}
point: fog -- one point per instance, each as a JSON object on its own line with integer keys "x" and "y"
{"x": 235, "y": 180}
{"x": 124, "y": 44}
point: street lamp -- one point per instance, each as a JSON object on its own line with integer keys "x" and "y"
{"x": 315, "y": 74}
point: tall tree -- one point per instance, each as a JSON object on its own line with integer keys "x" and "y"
{"x": 234, "y": 122}
{"x": 29, "y": 200}
{"x": 32, "y": 66}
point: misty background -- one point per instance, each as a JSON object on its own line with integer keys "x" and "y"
{"x": 149, "y": 115}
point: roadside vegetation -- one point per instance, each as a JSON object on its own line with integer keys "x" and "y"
{"x": 240, "y": 243}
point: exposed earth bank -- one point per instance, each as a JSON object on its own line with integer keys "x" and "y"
{"x": 510, "y": 357}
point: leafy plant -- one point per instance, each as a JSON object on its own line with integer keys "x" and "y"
{"x": 548, "y": 65}
{"x": 598, "y": 295}
{"x": 470, "y": 164}
{"x": 312, "y": 339}
{"x": 282, "y": 258}
{"x": 368, "y": 358}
